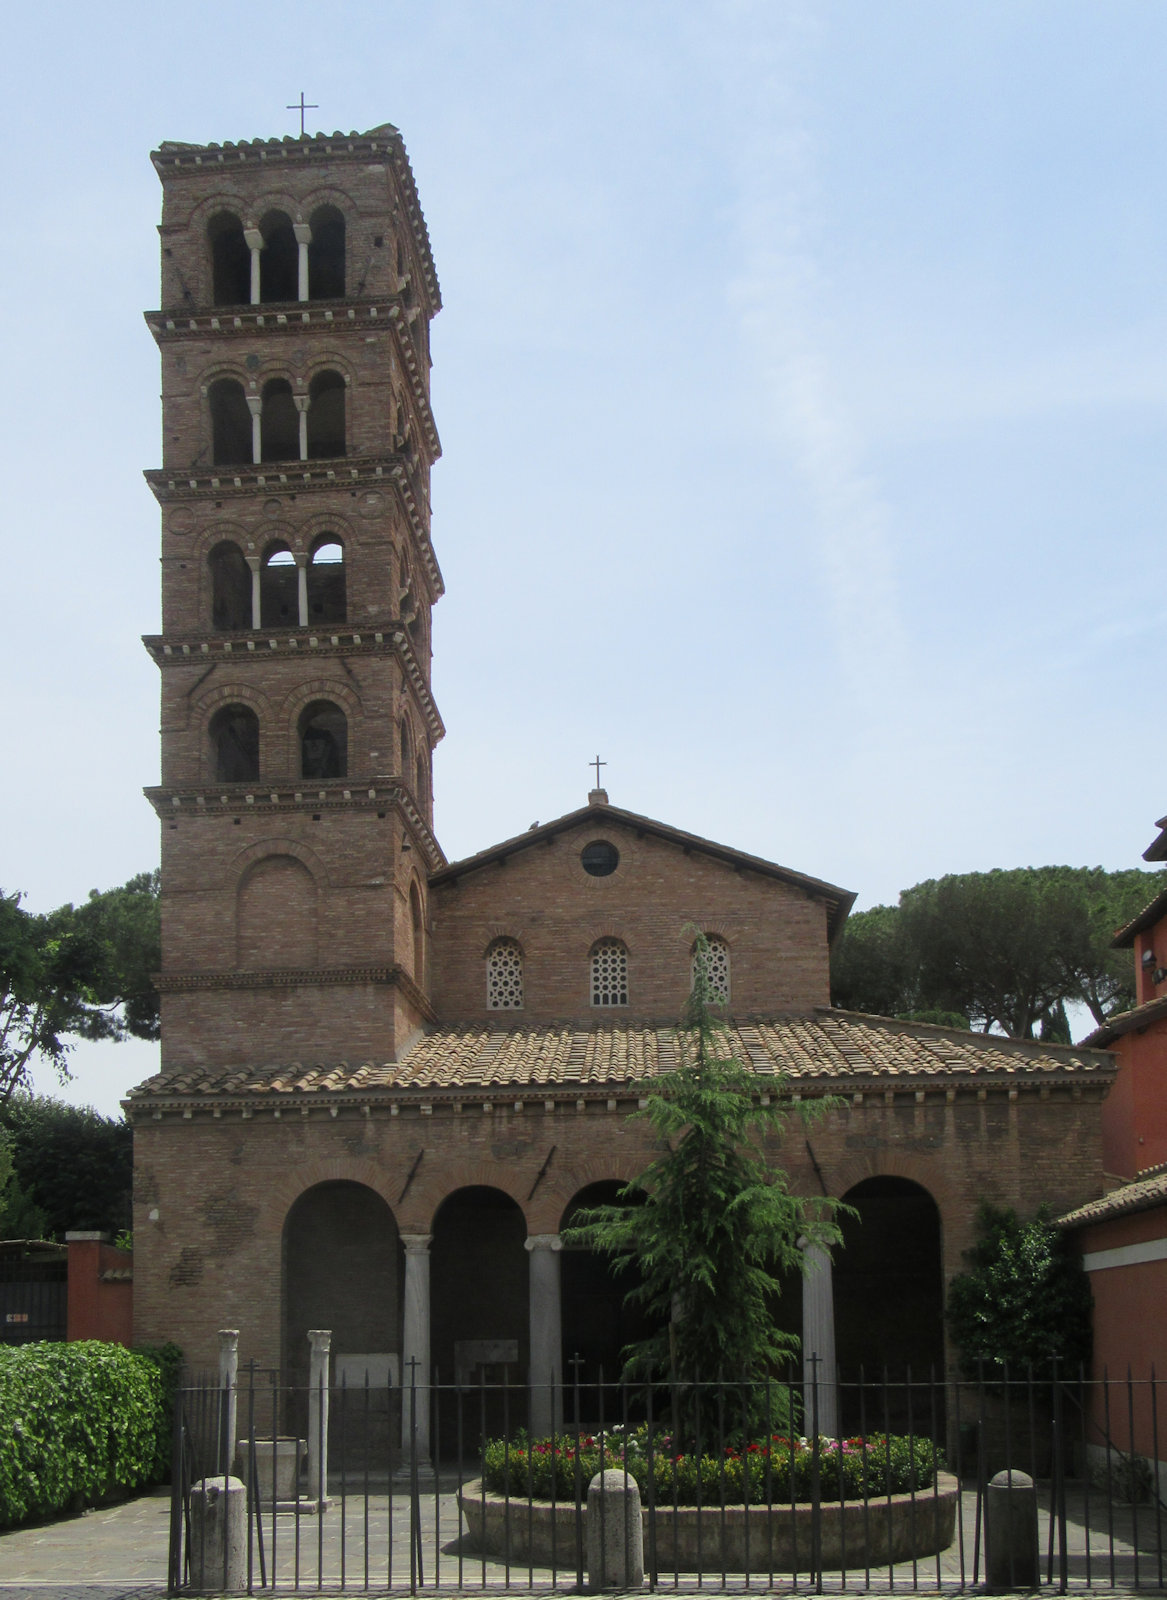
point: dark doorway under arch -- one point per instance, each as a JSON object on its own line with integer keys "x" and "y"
{"x": 889, "y": 1299}
{"x": 598, "y": 1322}
{"x": 479, "y": 1310}
{"x": 342, "y": 1269}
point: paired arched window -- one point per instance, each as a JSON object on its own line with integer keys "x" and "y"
{"x": 327, "y": 590}
{"x": 230, "y": 588}
{"x": 279, "y": 422}
{"x": 609, "y": 973}
{"x": 230, "y": 423}
{"x": 279, "y": 260}
{"x": 326, "y": 255}
{"x": 325, "y": 416}
{"x": 714, "y": 961}
{"x": 323, "y": 731}
{"x": 279, "y": 600}
{"x": 234, "y": 735}
{"x": 504, "y": 976}
{"x": 230, "y": 260}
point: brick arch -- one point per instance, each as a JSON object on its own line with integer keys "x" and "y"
{"x": 285, "y": 757}
{"x": 322, "y": 522}
{"x": 205, "y": 540}
{"x": 221, "y": 367}
{"x": 929, "y": 1173}
{"x": 502, "y": 930}
{"x": 277, "y": 532}
{"x": 427, "y": 1195}
{"x": 282, "y": 1194}
{"x": 721, "y": 927}
{"x": 551, "y": 1201}
{"x": 328, "y": 361}
{"x": 326, "y": 195}
{"x": 199, "y": 716}
{"x": 592, "y": 932}
{"x": 274, "y": 200}
{"x": 254, "y": 853}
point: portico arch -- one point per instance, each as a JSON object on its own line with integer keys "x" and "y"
{"x": 889, "y": 1296}
{"x": 597, "y": 1320}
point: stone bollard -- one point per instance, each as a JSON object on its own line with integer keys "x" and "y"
{"x": 1011, "y": 1558}
{"x": 615, "y": 1532}
{"x": 218, "y": 1533}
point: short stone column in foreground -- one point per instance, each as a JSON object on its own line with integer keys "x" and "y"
{"x": 218, "y": 1536}
{"x": 615, "y": 1532}
{"x": 318, "y": 1379}
{"x": 1011, "y": 1556}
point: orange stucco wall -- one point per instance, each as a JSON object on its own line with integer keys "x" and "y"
{"x": 1134, "y": 1116}
{"x": 1130, "y": 1334}
{"x": 99, "y": 1307}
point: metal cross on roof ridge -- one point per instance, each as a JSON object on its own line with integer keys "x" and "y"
{"x": 301, "y": 106}
{"x": 597, "y": 763}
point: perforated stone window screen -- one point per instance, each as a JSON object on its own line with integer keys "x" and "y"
{"x": 504, "y": 976}
{"x": 717, "y": 969}
{"x": 609, "y": 974}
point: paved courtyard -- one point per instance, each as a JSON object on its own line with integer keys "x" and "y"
{"x": 364, "y": 1544}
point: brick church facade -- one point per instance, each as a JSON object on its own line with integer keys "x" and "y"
{"x": 386, "y": 1078}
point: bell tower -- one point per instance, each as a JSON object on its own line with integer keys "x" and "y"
{"x": 298, "y": 579}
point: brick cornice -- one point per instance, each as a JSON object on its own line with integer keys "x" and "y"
{"x": 173, "y": 487}
{"x": 353, "y": 316}
{"x": 184, "y": 650}
{"x": 333, "y": 794}
{"x": 296, "y": 978}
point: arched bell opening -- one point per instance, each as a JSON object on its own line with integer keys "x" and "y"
{"x": 343, "y": 1269}
{"x": 479, "y": 1309}
{"x": 889, "y": 1307}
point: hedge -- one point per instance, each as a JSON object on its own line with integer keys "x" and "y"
{"x": 80, "y": 1422}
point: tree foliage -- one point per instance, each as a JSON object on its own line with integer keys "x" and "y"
{"x": 81, "y": 971}
{"x": 20, "y": 1217}
{"x": 1004, "y": 949}
{"x": 1024, "y": 1298}
{"x": 71, "y": 1167}
{"x": 718, "y": 1224}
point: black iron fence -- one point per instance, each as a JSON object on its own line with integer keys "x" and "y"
{"x": 860, "y": 1481}
{"x": 33, "y": 1292}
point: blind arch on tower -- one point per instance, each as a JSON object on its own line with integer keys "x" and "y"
{"x": 504, "y": 975}
{"x": 275, "y": 915}
{"x": 609, "y": 973}
{"x": 230, "y": 260}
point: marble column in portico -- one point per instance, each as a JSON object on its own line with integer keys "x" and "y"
{"x": 546, "y": 1341}
{"x": 415, "y": 1343}
{"x": 818, "y": 1340}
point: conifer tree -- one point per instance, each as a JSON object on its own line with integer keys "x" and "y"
{"x": 718, "y": 1227}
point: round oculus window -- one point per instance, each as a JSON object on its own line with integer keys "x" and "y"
{"x": 599, "y": 858}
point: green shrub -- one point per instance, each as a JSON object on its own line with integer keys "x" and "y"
{"x": 168, "y": 1359}
{"x": 80, "y": 1421}
{"x": 759, "y": 1473}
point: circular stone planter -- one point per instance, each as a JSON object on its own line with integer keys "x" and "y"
{"x": 885, "y": 1530}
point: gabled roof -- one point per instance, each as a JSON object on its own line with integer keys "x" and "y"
{"x": 1148, "y": 1190}
{"x": 1127, "y": 1022}
{"x": 1157, "y": 849}
{"x": 827, "y": 1051}
{"x": 1151, "y": 913}
{"x": 838, "y": 901}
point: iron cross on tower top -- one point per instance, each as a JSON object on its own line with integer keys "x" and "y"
{"x": 301, "y": 106}
{"x": 597, "y": 763}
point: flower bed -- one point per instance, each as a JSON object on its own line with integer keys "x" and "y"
{"x": 770, "y": 1471}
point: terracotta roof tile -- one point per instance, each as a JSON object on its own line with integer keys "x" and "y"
{"x": 829, "y": 1047}
{"x": 1147, "y": 1190}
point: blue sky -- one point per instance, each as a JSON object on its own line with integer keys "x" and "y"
{"x": 802, "y": 387}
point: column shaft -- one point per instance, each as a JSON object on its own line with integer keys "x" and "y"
{"x": 546, "y": 1335}
{"x": 318, "y": 1380}
{"x": 415, "y": 1343}
{"x": 818, "y": 1340}
{"x": 302, "y": 588}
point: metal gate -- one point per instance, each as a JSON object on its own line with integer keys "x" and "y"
{"x": 381, "y": 1489}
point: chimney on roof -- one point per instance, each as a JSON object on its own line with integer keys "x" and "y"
{"x": 597, "y": 797}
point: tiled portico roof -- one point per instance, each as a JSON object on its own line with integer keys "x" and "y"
{"x": 1148, "y": 1190}
{"x": 827, "y": 1050}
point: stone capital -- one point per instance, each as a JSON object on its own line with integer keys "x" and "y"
{"x": 301, "y": 401}
{"x": 417, "y": 1244}
{"x": 320, "y": 1339}
{"x": 303, "y": 232}
{"x": 253, "y": 238}
{"x": 543, "y": 1241}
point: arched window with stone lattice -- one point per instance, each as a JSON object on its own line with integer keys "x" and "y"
{"x": 609, "y": 973}
{"x": 504, "y": 976}
{"x": 716, "y": 961}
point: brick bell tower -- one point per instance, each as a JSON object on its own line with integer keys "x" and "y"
{"x": 298, "y": 579}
